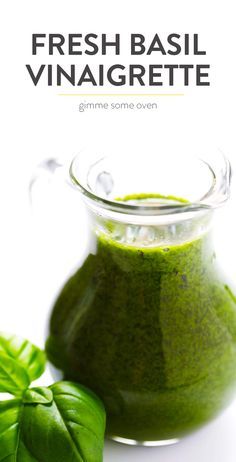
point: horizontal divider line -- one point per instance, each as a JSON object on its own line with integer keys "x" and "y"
{"x": 121, "y": 94}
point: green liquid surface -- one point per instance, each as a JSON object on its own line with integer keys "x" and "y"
{"x": 152, "y": 330}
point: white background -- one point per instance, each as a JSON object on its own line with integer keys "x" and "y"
{"x": 36, "y": 254}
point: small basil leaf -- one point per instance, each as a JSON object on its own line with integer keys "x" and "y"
{"x": 69, "y": 429}
{"x": 38, "y": 395}
{"x": 13, "y": 378}
{"x": 27, "y": 355}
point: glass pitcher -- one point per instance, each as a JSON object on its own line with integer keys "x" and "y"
{"x": 148, "y": 319}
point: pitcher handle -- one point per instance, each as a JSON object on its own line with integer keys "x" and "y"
{"x": 45, "y": 170}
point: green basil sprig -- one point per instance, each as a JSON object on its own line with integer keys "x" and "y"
{"x": 64, "y": 422}
{"x": 21, "y": 362}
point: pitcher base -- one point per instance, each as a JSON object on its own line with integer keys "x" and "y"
{"x": 130, "y": 442}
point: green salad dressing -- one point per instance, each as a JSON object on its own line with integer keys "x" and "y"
{"x": 152, "y": 330}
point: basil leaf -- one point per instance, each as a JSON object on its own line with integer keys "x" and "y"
{"x": 27, "y": 355}
{"x": 69, "y": 428}
{"x": 13, "y": 378}
{"x": 10, "y": 412}
{"x": 12, "y": 448}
